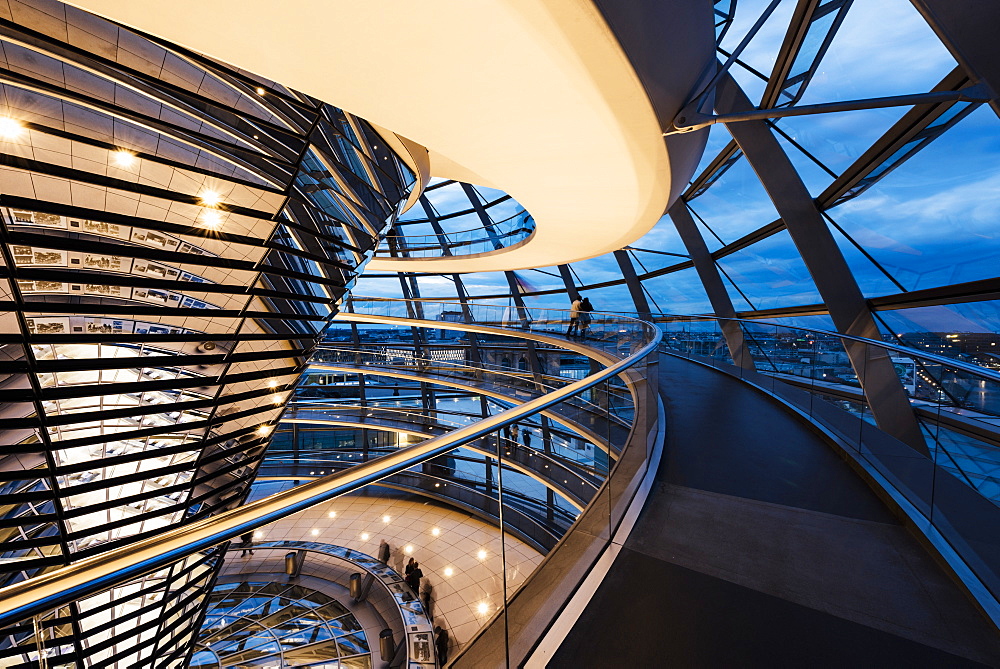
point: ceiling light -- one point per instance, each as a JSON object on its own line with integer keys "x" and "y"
{"x": 448, "y": 571}
{"x": 260, "y": 90}
{"x": 483, "y": 608}
{"x": 10, "y": 128}
{"x": 386, "y": 519}
{"x": 123, "y": 158}
{"x": 264, "y": 430}
{"x": 333, "y": 514}
{"x": 276, "y": 399}
{"x": 272, "y": 384}
{"x": 408, "y": 549}
{"x": 315, "y": 533}
{"x": 436, "y": 531}
{"x": 210, "y": 198}
{"x": 481, "y": 554}
{"x": 211, "y": 218}
{"x": 364, "y": 536}
{"x": 258, "y": 535}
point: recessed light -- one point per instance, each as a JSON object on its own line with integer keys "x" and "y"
{"x": 448, "y": 571}
{"x": 123, "y": 158}
{"x": 386, "y": 519}
{"x": 260, "y": 90}
{"x": 436, "y": 531}
{"x": 10, "y": 128}
{"x": 481, "y": 554}
{"x": 333, "y": 514}
{"x": 408, "y": 549}
{"x": 210, "y": 198}
{"x": 211, "y": 218}
{"x": 364, "y": 536}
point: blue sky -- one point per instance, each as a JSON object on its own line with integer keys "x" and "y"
{"x": 931, "y": 222}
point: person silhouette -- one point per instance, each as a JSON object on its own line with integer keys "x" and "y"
{"x": 574, "y": 318}
{"x": 247, "y": 542}
{"x": 584, "y": 317}
{"x": 441, "y": 640}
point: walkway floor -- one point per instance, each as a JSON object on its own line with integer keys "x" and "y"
{"x": 760, "y": 547}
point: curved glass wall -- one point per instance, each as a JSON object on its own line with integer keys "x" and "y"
{"x": 371, "y": 391}
{"x": 492, "y": 222}
{"x": 905, "y": 192}
{"x": 175, "y": 233}
{"x": 878, "y": 222}
{"x": 278, "y": 624}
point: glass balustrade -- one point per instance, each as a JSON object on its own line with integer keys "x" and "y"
{"x": 499, "y": 235}
{"x": 547, "y": 436}
{"x": 948, "y": 482}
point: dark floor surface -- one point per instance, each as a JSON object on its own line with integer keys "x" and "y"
{"x": 760, "y": 547}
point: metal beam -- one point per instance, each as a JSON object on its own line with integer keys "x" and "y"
{"x": 567, "y": 278}
{"x": 632, "y": 281}
{"x": 694, "y": 121}
{"x": 918, "y": 127}
{"x": 722, "y": 305}
{"x": 484, "y": 217}
{"x": 969, "y": 29}
{"x": 973, "y": 291}
{"x": 827, "y": 266}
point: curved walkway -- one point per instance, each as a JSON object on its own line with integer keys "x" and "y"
{"x": 560, "y": 476}
{"x": 586, "y": 421}
{"x": 760, "y": 547}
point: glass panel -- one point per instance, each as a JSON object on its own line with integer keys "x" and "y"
{"x": 930, "y": 221}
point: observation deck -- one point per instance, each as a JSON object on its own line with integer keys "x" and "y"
{"x": 183, "y": 213}
{"x": 767, "y": 488}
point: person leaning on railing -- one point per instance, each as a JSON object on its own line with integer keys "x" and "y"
{"x": 574, "y": 317}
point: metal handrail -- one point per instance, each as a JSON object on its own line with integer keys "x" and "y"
{"x": 659, "y": 317}
{"x": 120, "y": 565}
{"x": 656, "y": 318}
{"x": 482, "y": 228}
{"x": 458, "y": 242}
{"x": 446, "y": 366}
{"x": 909, "y": 352}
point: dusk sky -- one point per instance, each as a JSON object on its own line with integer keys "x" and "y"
{"x": 930, "y": 222}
